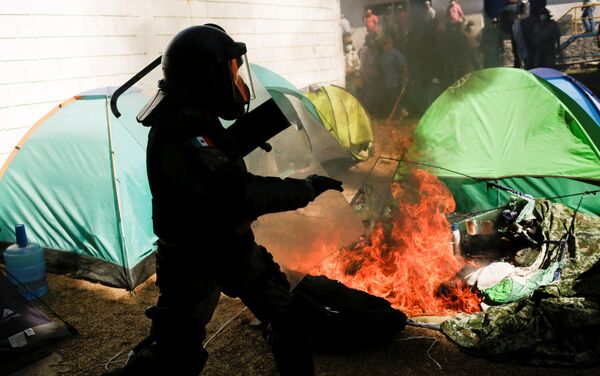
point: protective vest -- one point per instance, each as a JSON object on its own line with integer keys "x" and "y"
{"x": 201, "y": 189}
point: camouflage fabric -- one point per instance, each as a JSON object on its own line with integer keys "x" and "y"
{"x": 542, "y": 331}
{"x": 558, "y": 324}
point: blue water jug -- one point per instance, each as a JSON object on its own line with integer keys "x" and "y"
{"x": 25, "y": 262}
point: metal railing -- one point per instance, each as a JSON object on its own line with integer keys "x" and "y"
{"x": 575, "y": 12}
{"x": 573, "y": 38}
{"x": 584, "y": 57}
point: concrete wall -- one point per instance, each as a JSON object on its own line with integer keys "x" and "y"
{"x": 51, "y": 50}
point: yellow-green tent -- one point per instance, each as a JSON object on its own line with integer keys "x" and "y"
{"x": 345, "y": 118}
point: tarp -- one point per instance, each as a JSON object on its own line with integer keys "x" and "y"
{"x": 507, "y": 126}
{"x": 25, "y": 331}
{"x": 78, "y": 181}
{"x": 345, "y": 118}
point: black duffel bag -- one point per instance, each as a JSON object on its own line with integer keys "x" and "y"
{"x": 345, "y": 319}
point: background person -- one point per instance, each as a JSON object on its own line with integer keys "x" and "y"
{"x": 394, "y": 69}
{"x": 587, "y": 16}
{"x": 546, "y": 40}
{"x": 371, "y": 21}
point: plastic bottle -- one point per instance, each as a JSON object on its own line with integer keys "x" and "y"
{"x": 26, "y": 263}
{"x": 455, "y": 239}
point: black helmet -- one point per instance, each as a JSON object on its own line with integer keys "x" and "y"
{"x": 201, "y": 66}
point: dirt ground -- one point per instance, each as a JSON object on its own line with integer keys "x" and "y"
{"x": 111, "y": 322}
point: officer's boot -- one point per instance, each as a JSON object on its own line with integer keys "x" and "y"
{"x": 173, "y": 347}
{"x": 292, "y": 354}
{"x": 289, "y": 336}
{"x": 150, "y": 361}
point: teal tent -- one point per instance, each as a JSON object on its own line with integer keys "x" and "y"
{"x": 511, "y": 128}
{"x": 273, "y": 82}
{"x": 78, "y": 181}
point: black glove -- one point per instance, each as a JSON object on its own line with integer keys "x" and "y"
{"x": 321, "y": 184}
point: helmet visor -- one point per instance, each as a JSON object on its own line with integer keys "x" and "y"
{"x": 242, "y": 79}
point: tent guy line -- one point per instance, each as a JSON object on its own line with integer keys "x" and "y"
{"x": 428, "y": 350}
{"x": 494, "y": 185}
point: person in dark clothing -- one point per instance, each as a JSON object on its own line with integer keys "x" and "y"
{"x": 519, "y": 45}
{"x": 528, "y": 26}
{"x": 426, "y": 59}
{"x": 370, "y": 71}
{"x": 491, "y": 44}
{"x": 203, "y": 203}
{"x": 509, "y": 21}
{"x": 394, "y": 69}
{"x": 546, "y": 40}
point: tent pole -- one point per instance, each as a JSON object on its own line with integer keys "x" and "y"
{"x": 122, "y": 245}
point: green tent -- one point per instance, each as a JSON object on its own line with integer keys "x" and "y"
{"x": 509, "y": 127}
{"x": 345, "y": 118}
{"x": 78, "y": 181}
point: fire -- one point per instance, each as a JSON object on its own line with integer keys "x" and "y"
{"x": 409, "y": 260}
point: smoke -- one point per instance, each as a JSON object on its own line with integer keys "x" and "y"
{"x": 437, "y": 54}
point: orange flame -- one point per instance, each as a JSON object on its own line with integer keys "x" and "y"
{"x": 410, "y": 260}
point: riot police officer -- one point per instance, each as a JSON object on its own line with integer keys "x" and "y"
{"x": 203, "y": 202}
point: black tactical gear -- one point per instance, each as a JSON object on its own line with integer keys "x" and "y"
{"x": 203, "y": 202}
{"x": 321, "y": 184}
{"x": 196, "y": 63}
{"x": 200, "y": 185}
{"x": 201, "y": 68}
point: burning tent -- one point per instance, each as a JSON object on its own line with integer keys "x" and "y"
{"x": 410, "y": 225}
{"x": 521, "y": 285}
{"x": 522, "y": 278}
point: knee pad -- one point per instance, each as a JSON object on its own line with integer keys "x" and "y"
{"x": 249, "y": 271}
